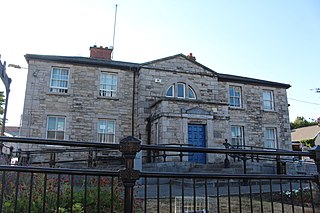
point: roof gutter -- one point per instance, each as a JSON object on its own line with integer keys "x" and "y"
{"x": 239, "y": 79}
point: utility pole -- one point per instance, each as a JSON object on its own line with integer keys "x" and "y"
{"x": 6, "y": 81}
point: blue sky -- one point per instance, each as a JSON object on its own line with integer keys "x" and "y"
{"x": 270, "y": 40}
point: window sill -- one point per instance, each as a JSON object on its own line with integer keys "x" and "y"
{"x": 271, "y": 111}
{"x": 58, "y": 94}
{"x": 236, "y": 108}
{"x": 109, "y": 98}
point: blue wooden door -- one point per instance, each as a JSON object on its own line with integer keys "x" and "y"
{"x": 197, "y": 138}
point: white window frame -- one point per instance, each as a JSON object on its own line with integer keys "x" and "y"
{"x": 59, "y": 88}
{"x": 270, "y": 140}
{"x": 171, "y": 87}
{"x": 193, "y": 93}
{"x": 237, "y": 136}
{"x": 104, "y": 132}
{"x": 106, "y": 89}
{"x": 57, "y": 127}
{"x": 235, "y": 96}
{"x": 268, "y": 102}
{"x": 186, "y": 89}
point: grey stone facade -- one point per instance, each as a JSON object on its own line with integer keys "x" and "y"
{"x": 82, "y": 105}
{"x": 141, "y": 107}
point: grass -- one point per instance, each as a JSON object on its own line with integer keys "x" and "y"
{"x": 232, "y": 204}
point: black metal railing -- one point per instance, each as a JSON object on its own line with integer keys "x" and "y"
{"x": 36, "y": 187}
{"x": 280, "y": 162}
{"x": 163, "y": 156}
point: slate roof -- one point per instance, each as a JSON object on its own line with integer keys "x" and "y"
{"x": 136, "y": 66}
{"x": 239, "y": 79}
{"x": 179, "y": 55}
{"x": 303, "y": 133}
{"x": 84, "y": 61}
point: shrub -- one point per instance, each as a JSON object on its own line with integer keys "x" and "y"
{"x": 66, "y": 192}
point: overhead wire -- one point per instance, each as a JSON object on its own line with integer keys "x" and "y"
{"x": 306, "y": 102}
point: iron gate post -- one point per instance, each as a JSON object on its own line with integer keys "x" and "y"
{"x": 226, "y": 160}
{"x": 279, "y": 169}
{"x": 90, "y": 159}
{"x": 129, "y": 147}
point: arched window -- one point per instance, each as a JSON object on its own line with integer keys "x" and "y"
{"x": 170, "y": 91}
{"x": 191, "y": 93}
{"x": 182, "y": 91}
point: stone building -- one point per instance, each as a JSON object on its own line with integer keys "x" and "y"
{"x": 173, "y": 100}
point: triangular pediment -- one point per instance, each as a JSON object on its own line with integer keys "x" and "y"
{"x": 179, "y": 63}
{"x": 197, "y": 111}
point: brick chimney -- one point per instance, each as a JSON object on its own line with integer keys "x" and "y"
{"x": 101, "y": 52}
{"x": 191, "y": 57}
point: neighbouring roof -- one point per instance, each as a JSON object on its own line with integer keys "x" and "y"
{"x": 12, "y": 130}
{"x": 135, "y": 66}
{"x": 305, "y": 133}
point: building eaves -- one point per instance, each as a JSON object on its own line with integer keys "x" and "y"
{"x": 245, "y": 80}
{"x": 136, "y": 66}
{"x": 175, "y": 56}
{"x": 84, "y": 61}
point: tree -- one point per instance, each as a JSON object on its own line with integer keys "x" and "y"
{"x": 308, "y": 142}
{"x": 300, "y": 121}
